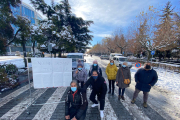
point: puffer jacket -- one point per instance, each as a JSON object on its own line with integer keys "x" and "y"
{"x": 145, "y": 79}
{"x": 78, "y": 101}
{"x": 111, "y": 71}
{"x": 81, "y": 75}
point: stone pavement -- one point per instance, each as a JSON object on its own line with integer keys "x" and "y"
{"x": 13, "y": 105}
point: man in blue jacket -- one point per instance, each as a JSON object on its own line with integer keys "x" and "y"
{"x": 145, "y": 78}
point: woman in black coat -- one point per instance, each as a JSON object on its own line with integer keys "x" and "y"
{"x": 76, "y": 103}
{"x": 99, "y": 89}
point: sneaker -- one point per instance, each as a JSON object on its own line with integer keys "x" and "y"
{"x": 101, "y": 114}
{"x": 133, "y": 101}
{"x": 145, "y": 105}
{"x": 94, "y": 105}
{"x": 119, "y": 97}
{"x": 122, "y": 97}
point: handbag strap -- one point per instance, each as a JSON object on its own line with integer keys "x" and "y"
{"x": 122, "y": 73}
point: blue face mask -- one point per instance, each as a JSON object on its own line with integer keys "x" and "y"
{"x": 111, "y": 63}
{"x": 95, "y": 64}
{"x": 95, "y": 77}
{"x": 73, "y": 89}
{"x": 124, "y": 66}
{"x": 79, "y": 69}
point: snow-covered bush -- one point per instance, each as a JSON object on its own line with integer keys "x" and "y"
{"x": 11, "y": 69}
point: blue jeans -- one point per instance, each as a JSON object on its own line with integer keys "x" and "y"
{"x": 123, "y": 90}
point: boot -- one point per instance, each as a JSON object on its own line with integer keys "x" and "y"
{"x": 119, "y": 97}
{"x": 145, "y": 105}
{"x": 109, "y": 92}
{"x": 133, "y": 101}
{"x": 112, "y": 92}
{"x": 122, "y": 97}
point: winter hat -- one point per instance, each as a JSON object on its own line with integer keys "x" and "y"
{"x": 95, "y": 61}
{"x": 80, "y": 64}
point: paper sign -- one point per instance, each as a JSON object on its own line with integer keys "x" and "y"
{"x": 51, "y": 72}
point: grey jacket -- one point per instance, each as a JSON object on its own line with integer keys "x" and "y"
{"x": 81, "y": 75}
{"x": 119, "y": 77}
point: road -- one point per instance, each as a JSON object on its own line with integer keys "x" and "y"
{"x": 160, "y": 107}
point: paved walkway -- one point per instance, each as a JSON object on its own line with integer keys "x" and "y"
{"x": 13, "y": 105}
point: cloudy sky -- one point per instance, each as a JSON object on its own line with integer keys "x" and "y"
{"x": 108, "y": 15}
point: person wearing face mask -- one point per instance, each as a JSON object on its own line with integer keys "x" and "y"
{"x": 99, "y": 88}
{"x": 96, "y": 67}
{"x": 145, "y": 78}
{"x": 123, "y": 73}
{"x": 111, "y": 71}
{"x": 80, "y": 74}
{"x": 76, "y": 103}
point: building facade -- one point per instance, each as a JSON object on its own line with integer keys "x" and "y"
{"x": 29, "y": 12}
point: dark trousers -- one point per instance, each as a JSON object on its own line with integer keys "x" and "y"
{"x": 123, "y": 90}
{"x": 111, "y": 83}
{"x": 73, "y": 112}
{"x": 145, "y": 95}
{"x": 101, "y": 98}
{"x": 81, "y": 83}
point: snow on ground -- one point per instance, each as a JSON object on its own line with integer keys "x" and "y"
{"x": 167, "y": 80}
{"x": 18, "y": 61}
{"x": 3, "y": 58}
{"x": 164, "y": 97}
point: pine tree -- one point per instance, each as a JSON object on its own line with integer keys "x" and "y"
{"x": 165, "y": 35}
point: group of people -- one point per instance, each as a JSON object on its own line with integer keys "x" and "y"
{"x": 76, "y": 103}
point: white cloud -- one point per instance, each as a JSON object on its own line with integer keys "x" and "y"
{"x": 102, "y": 35}
{"x": 108, "y": 11}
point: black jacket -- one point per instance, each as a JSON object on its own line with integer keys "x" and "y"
{"x": 97, "y": 68}
{"x": 79, "y": 102}
{"x": 98, "y": 85}
{"x": 145, "y": 77}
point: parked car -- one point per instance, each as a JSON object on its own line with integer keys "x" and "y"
{"x": 76, "y": 57}
{"x": 114, "y": 54}
{"x": 104, "y": 57}
{"x": 118, "y": 61}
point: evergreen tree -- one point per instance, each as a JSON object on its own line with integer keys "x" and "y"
{"x": 24, "y": 35}
{"x": 165, "y": 35}
{"x": 7, "y": 34}
{"x": 63, "y": 28}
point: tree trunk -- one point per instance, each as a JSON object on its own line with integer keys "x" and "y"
{"x": 33, "y": 48}
{"x": 59, "y": 54}
{"x": 55, "y": 55}
{"x": 148, "y": 55}
{"x": 24, "y": 52}
{"x": 121, "y": 50}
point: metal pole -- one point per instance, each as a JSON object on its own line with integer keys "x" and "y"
{"x": 29, "y": 82}
{"x": 151, "y": 59}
